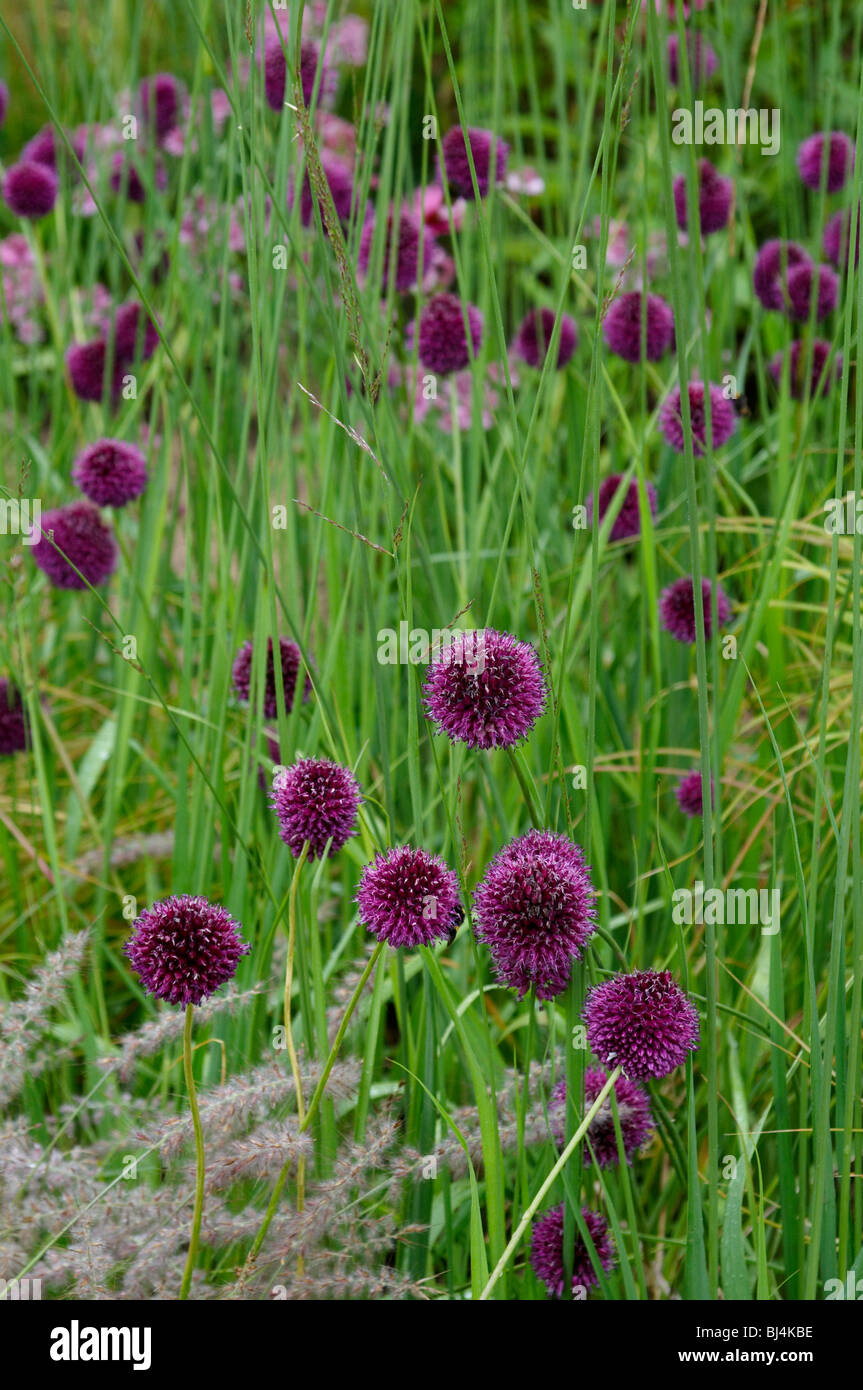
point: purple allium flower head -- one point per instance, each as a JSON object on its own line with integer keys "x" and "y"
{"x": 407, "y": 250}
{"x": 723, "y": 420}
{"x": 837, "y": 237}
{"x": 290, "y": 657}
{"x": 677, "y": 608}
{"x": 134, "y": 338}
{"x": 454, "y": 162}
{"x": 772, "y": 264}
{"x": 30, "y": 189}
{"x": 45, "y": 146}
{"x": 125, "y": 179}
{"x": 839, "y": 153}
{"x": 798, "y": 353}
{"x": 642, "y": 1022}
{"x": 408, "y": 897}
{"x": 13, "y": 719}
{"x": 689, "y": 794}
{"x": 622, "y": 326}
{"x": 185, "y": 948}
{"x": 627, "y": 523}
{"x": 135, "y": 335}
{"x": 546, "y": 1250}
{"x": 160, "y": 101}
{"x": 83, "y": 537}
{"x": 804, "y": 281}
{"x": 715, "y": 193}
{"x": 533, "y": 339}
{"x": 535, "y": 910}
{"x": 340, "y": 180}
{"x": 316, "y": 800}
{"x": 4, "y": 101}
{"x": 443, "y": 345}
{"x": 86, "y": 363}
{"x": 276, "y": 71}
{"x": 485, "y": 689}
{"x": 110, "y": 472}
{"x": 633, "y": 1107}
{"x": 703, "y": 61}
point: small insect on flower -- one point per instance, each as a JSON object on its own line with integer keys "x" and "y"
{"x": 641, "y": 1022}
{"x": 489, "y": 155}
{"x": 316, "y": 801}
{"x": 408, "y": 897}
{"x": 677, "y": 608}
{"x": 185, "y": 948}
{"x": 89, "y": 550}
{"x": 546, "y": 1251}
{"x": 485, "y": 689}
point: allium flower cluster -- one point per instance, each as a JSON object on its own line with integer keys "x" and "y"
{"x": 489, "y": 154}
{"x": 110, "y": 472}
{"x": 690, "y": 796}
{"x": 715, "y": 193}
{"x": 485, "y": 689}
{"x": 533, "y": 338}
{"x": 132, "y": 338}
{"x": 627, "y": 523}
{"x": 641, "y": 1022}
{"x": 546, "y": 1250}
{"x": 639, "y": 326}
{"x": 30, "y": 189}
{"x": 86, "y": 542}
{"x": 723, "y": 419}
{"x": 833, "y": 148}
{"x": 13, "y": 719}
{"x": 316, "y": 800}
{"x": 677, "y": 608}
{"x": 408, "y": 897}
{"x": 290, "y": 658}
{"x": 797, "y": 355}
{"x": 633, "y": 1108}
{"x": 443, "y": 343}
{"x": 185, "y": 948}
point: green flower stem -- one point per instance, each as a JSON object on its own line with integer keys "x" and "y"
{"x": 199, "y": 1152}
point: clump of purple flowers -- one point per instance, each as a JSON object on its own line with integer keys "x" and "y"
{"x": 641, "y": 1022}
{"x": 837, "y": 238}
{"x": 703, "y": 61}
{"x": 408, "y": 897}
{"x": 485, "y": 689}
{"x": 289, "y": 657}
{"x": 638, "y": 325}
{"x": 677, "y": 608}
{"x": 633, "y": 1108}
{"x": 546, "y": 1250}
{"x": 87, "y": 544}
{"x": 13, "y": 719}
{"x": 535, "y": 910}
{"x": 404, "y": 258}
{"x": 443, "y": 343}
{"x": 690, "y": 795}
{"x": 808, "y": 281}
{"x": 627, "y": 523}
{"x": 797, "y": 358}
{"x": 715, "y": 193}
{"x": 489, "y": 155}
{"x": 838, "y": 151}
{"x": 340, "y": 181}
{"x": 533, "y": 338}
{"x": 160, "y": 102}
{"x": 125, "y": 178}
{"x": 30, "y": 189}
{"x": 773, "y": 263}
{"x": 316, "y": 800}
{"x": 110, "y": 472}
{"x": 185, "y": 948}
{"x": 723, "y": 420}
{"x": 131, "y": 338}
{"x": 276, "y": 71}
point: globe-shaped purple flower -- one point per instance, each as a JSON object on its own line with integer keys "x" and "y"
{"x": 30, "y": 189}
{"x": 836, "y": 149}
{"x": 703, "y": 60}
{"x": 409, "y": 235}
{"x": 836, "y": 242}
{"x": 808, "y": 281}
{"x": 110, "y": 472}
{"x": 160, "y": 102}
{"x": 641, "y": 1022}
{"x": 689, "y": 793}
{"x": 290, "y": 656}
{"x": 627, "y": 523}
{"x": 633, "y": 1108}
{"x": 797, "y": 354}
{"x": 316, "y": 801}
{"x": 13, "y": 720}
{"x": 623, "y": 328}
{"x": 276, "y": 71}
{"x": 443, "y": 343}
{"x": 132, "y": 337}
{"x": 408, "y": 897}
{"x": 87, "y": 364}
{"x": 546, "y": 1250}
{"x": 185, "y": 948}
{"x": 535, "y": 910}
{"x": 489, "y": 161}
{"x": 677, "y": 608}
{"x": 340, "y": 181}
{"x": 772, "y": 264}
{"x": 87, "y": 544}
{"x": 723, "y": 420}
{"x": 46, "y": 147}
{"x": 126, "y": 179}
{"x": 533, "y": 339}
{"x": 485, "y": 689}
{"x": 715, "y": 193}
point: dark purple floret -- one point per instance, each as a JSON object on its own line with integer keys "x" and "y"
{"x": 160, "y": 101}
{"x": 677, "y": 608}
{"x": 627, "y": 523}
{"x": 838, "y": 151}
{"x": 87, "y": 364}
{"x": 535, "y": 910}
{"x": 703, "y": 61}
{"x": 642, "y": 1022}
{"x": 798, "y": 354}
{"x": 14, "y": 735}
{"x": 110, "y": 472}
{"x": 546, "y": 1250}
{"x": 772, "y": 264}
{"x": 408, "y": 897}
{"x": 633, "y": 1108}
{"x": 185, "y": 948}
{"x": 485, "y": 689}
{"x": 623, "y": 331}
{"x": 83, "y": 537}
{"x": 806, "y": 281}
{"x": 533, "y": 339}
{"x": 316, "y": 800}
{"x": 715, "y": 193}
{"x": 837, "y": 237}
{"x": 443, "y": 344}
{"x": 407, "y": 250}
{"x": 723, "y": 419}
{"x": 30, "y": 189}
{"x": 340, "y": 180}
{"x": 689, "y": 794}
{"x": 276, "y": 71}
{"x": 241, "y": 673}
{"x": 126, "y": 179}
{"x": 489, "y": 161}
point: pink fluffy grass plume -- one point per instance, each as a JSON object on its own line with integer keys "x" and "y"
{"x": 677, "y": 608}
{"x": 443, "y": 343}
{"x": 641, "y": 1022}
{"x": 485, "y": 689}
{"x": 627, "y": 523}
{"x": 489, "y": 155}
{"x": 690, "y": 796}
{"x": 86, "y": 542}
{"x": 723, "y": 418}
{"x": 185, "y": 948}
{"x": 317, "y": 801}
{"x": 819, "y": 368}
{"x": 546, "y": 1251}
{"x": 773, "y": 263}
{"x": 714, "y": 196}
{"x": 110, "y": 472}
{"x": 639, "y": 326}
{"x": 408, "y": 897}
{"x": 290, "y": 659}
{"x": 535, "y": 910}
{"x": 30, "y": 189}
{"x": 533, "y": 339}
{"x": 833, "y": 149}
{"x": 633, "y": 1108}
{"x": 14, "y": 736}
